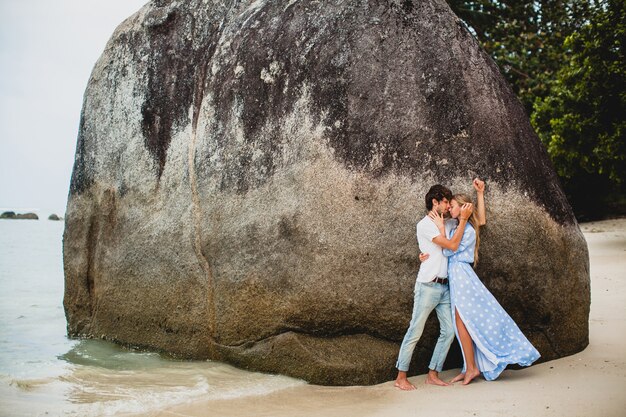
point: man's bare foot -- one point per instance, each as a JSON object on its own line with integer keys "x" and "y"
{"x": 457, "y": 378}
{"x": 469, "y": 375}
{"x": 404, "y": 384}
{"x": 433, "y": 379}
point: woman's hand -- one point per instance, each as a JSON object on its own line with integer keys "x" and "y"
{"x": 423, "y": 256}
{"x": 438, "y": 220}
{"x": 466, "y": 211}
{"x": 479, "y": 185}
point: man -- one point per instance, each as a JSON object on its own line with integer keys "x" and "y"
{"x": 431, "y": 286}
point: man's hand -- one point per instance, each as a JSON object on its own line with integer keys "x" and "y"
{"x": 466, "y": 211}
{"x": 423, "y": 256}
{"x": 437, "y": 219}
{"x": 479, "y": 185}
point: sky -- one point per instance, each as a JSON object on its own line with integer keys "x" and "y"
{"x": 47, "y": 51}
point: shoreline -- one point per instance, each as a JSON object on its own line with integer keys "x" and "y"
{"x": 589, "y": 383}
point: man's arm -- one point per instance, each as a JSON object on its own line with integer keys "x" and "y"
{"x": 479, "y": 186}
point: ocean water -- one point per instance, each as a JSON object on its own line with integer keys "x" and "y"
{"x": 43, "y": 373}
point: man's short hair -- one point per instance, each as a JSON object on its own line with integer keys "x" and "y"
{"x": 438, "y": 192}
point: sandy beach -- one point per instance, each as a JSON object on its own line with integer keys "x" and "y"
{"x": 590, "y": 383}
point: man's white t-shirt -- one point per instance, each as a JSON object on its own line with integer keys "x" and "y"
{"x": 436, "y": 265}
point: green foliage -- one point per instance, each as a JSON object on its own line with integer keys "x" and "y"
{"x": 582, "y": 122}
{"x": 565, "y": 61}
{"x": 524, "y": 38}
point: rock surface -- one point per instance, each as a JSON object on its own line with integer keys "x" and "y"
{"x": 248, "y": 177}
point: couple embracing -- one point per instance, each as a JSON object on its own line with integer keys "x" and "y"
{"x": 490, "y": 340}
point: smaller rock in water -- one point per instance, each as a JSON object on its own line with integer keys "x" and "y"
{"x": 18, "y": 216}
{"x": 54, "y": 217}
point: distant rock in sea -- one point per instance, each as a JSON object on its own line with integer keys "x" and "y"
{"x": 19, "y": 216}
{"x": 54, "y": 217}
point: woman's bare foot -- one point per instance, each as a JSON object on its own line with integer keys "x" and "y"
{"x": 469, "y": 375}
{"x": 433, "y": 379}
{"x": 458, "y": 378}
{"x": 404, "y": 384}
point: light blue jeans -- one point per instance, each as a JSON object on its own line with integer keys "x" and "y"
{"x": 429, "y": 296}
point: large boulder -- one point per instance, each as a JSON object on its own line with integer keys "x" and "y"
{"x": 248, "y": 177}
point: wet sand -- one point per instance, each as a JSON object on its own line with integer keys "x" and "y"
{"x": 590, "y": 383}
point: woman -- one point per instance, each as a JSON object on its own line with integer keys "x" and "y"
{"x": 490, "y": 339}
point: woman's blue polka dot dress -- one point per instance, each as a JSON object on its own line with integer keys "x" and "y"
{"x": 498, "y": 341}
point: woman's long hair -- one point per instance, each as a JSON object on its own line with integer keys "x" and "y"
{"x": 463, "y": 199}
